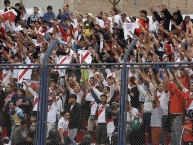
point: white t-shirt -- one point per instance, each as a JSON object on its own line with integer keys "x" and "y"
{"x": 52, "y": 112}
{"x": 63, "y": 124}
{"x": 164, "y": 100}
{"x": 59, "y": 104}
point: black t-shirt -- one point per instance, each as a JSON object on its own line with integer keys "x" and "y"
{"x": 135, "y": 99}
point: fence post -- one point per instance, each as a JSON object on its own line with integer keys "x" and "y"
{"x": 122, "y": 111}
{"x": 43, "y": 105}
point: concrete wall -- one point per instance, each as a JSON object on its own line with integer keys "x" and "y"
{"x": 93, "y": 6}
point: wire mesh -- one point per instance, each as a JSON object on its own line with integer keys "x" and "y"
{"x": 80, "y": 88}
{"x": 19, "y": 87}
{"x": 83, "y": 103}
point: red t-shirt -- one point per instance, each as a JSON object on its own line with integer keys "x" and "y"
{"x": 187, "y": 135}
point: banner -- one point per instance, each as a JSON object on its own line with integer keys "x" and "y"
{"x": 24, "y": 73}
{"x": 129, "y": 27}
{"x": 11, "y": 13}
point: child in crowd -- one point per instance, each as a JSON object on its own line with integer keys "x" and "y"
{"x": 187, "y": 135}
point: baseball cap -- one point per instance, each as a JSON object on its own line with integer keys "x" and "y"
{"x": 89, "y": 14}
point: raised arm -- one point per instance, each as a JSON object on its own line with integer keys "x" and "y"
{"x": 96, "y": 98}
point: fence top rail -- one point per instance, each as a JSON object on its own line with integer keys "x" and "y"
{"x": 102, "y": 64}
{"x": 118, "y": 64}
{"x": 22, "y": 64}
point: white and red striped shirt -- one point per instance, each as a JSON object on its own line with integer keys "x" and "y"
{"x": 101, "y": 113}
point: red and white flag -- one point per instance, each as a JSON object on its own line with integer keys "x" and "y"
{"x": 6, "y": 74}
{"x": 85, "y": 56}
{"x": 8, "y": 98}
{"x": 11, "y": 13}
{"x": 25, "y": 74}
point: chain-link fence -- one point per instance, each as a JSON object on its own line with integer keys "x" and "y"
{"x": 19, "y": 91}
{"x": 84, "y": 101}
{"x": 159, "y": 107}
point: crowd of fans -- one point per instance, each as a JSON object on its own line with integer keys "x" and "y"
{"x": 85, "y": 99}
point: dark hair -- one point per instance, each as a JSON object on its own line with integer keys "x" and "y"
{"x": 17, "y": 5}
{"x": 44, "y": 21}
{"x": 150, "y": 54}
{"x": 115, "y": 10}
{"x": 144, "y": 12}
{"x": 100, "y": 12}
{"x": 17, "y": 54}
{"x": 175, "y": 13}
{"x": 64, "y": 112}
{"x": 34, "y": 113}
{"x": 23, "y": 91}
{"x": 108, "y": 88}
{"x": 155, "y": 101}
{"x": 162, "y": 12}
{"x": 103, "y": 95}
{"x": 81, "y": 16}
{"x": 21, "y": 8}
{"x": 6, "y": 2}
{"x": 105, "y": 14}
{"x": 132, "y": 80}
{"x": 186, "y": 17}
{"x": 23, "y": 122}
{"x": 190, "y": 83}
{"x": 49, "y": 7}
{"x": 73, "y": 96}
{"x": 38, "y": 22}
{"x": 67, "y": 5}
{"x": 114, "y": 107}
{"x": 10, "y": 85}
{"x": 13, "y": 103}
{"x": 123, "y": 14}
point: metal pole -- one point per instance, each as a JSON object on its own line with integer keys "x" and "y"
{"x": 43, "y": 100}
{"x": 122, "y": 111}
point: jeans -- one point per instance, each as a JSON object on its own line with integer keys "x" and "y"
{"x": 146, "y": 126}
{"x": 176, "y": 130}
{"x": 164, "y": 129}
{"x": 73, "y": 133}
{"x": 12, "y": 133}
